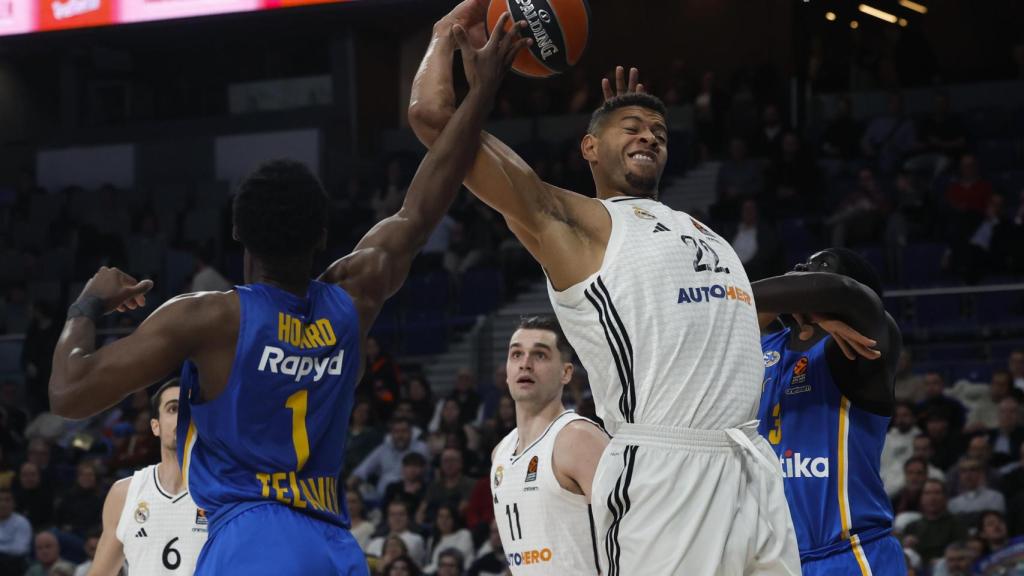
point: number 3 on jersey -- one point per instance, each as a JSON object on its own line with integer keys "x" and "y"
{"x": 298, "y": 403}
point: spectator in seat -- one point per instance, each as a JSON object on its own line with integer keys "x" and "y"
{"x": 82, "y": 505}
{"x": 969, "y": 193}
{"x": 975, "y": 496}
{"x": 448, "y": 534}
{"x": 858, "y": 218}
{"x": 985, "y": 412}
{"x": 412, "y": 488}
{"x": 1008, "y": 434}
{"x": 756, "y": 243}
{"x": 936, "y": 401}
{"x": 908, "y": 498}
{"x": 992, "y": 531}
{"x": 937, "y": 528}
{"x": 48, "y": 557}
{"x": 34, "y": 499}
{"x": 739, "y": 178}
{"x": 490, "y": 559}
{"x": 399, "y": 524}
{"x": 363, "y": 434}
{"x": 899, "y": 446}
{"x": 450, "y": 563}
{"x": 909, "y": 386}
{"x": 451, "y": 487}
{"x": 1015, "y": 364}
{"x": 15, "y": 536}
{"x": 361, "y": 529}
{"x": 380, "y": 379}
{"x": 385, "y": 463}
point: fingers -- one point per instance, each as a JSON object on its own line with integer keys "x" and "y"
{"x": 142, "y": 287}
{"x": 500, "y": 28}
{"x": 845, "y": 347}
{"x": 606, "y": 87}
{"x": 461, "y": 38}
{"x": 640, "y": 88}
{"x": 519, "y": 45}
{"x": 634, "y": 79}
{"x": 509, "y": 38}
{"x": 620, "y": 80}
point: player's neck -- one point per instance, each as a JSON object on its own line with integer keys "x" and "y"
{"x": 532, "y": 421}
{"x": 294, "y": 279}
{"x": 169, "y": 473}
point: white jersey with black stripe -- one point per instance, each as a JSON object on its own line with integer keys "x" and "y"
{"x": 161, "y": 533}
{"x": 667, "y": 328}
{"x": 545, "y": 529}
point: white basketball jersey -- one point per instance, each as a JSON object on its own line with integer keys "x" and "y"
{"x": 545, "y": 529}
{"x": 667, "y": 328}
{"x": 162, "y": 533}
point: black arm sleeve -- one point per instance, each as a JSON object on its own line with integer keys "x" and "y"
{"x": 867, "y": 383}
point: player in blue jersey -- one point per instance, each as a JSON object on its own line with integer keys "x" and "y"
{"x": 830, "y": 354}
{"x": 271, "y": 367}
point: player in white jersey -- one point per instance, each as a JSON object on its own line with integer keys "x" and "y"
{"x": 150, "y": 523}
{"x": 658, "y": 308}
{"x": 542, "y": 472}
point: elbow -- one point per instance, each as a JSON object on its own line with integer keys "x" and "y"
{"x": 66, "y": 404}
{"x": 427, "y": 122}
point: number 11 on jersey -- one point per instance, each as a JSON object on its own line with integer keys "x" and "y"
{"x": 516, "y": 531}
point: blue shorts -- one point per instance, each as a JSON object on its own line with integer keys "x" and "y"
{"x": 882, "y": 557}
{"x": 276, "y": 541}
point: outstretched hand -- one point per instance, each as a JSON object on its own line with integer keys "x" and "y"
{"x": 117, "y": 290}
{"x": 486, "y": 67}
{"x": 622, "y": 85}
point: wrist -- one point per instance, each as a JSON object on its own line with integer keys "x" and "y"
{"x": 87, "y": 306}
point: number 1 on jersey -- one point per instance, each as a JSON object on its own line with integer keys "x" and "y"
{"x": 298, "y": 403}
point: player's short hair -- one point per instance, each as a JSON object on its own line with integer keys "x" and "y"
{"x": 280, "y": 211}
{"x": 414, "y": 459}
{"x": 549, "y": 323}
{"x": 641, "y": 99}
{"x": 858, "y": 268}
{"x": 154, "y": 400}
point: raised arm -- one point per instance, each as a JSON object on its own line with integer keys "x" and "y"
{"x": 380, "y": 263}
{"x": 86, "y": 380}
{"x": 866, "y": 342}
{"x": 565, "y": 232}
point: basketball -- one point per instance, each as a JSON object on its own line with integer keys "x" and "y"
{"x": 559, "y": 28}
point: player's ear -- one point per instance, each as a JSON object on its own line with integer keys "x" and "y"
{"x": 567, "y": 371}
{"x": 154, "y": 425}
{"x": 589, "y": 147}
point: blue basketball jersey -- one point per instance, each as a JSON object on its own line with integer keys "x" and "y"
{"x": 829, "y": 451}
{"x": 277, "y": 432}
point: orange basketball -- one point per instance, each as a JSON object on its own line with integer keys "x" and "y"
{"x": 559, "y": 29}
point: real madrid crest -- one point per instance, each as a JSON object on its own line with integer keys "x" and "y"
{"x": 771, "y": 358}
{"x": 142, "y": 512}
{"x": 499, "y": 473}
{"x": 643, "y": 214}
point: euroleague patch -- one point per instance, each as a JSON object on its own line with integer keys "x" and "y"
{"x": 531, "y": 470}
{"x": 799, "y": 371}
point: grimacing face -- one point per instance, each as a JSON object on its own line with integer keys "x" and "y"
{"x": 629, "y": 150}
